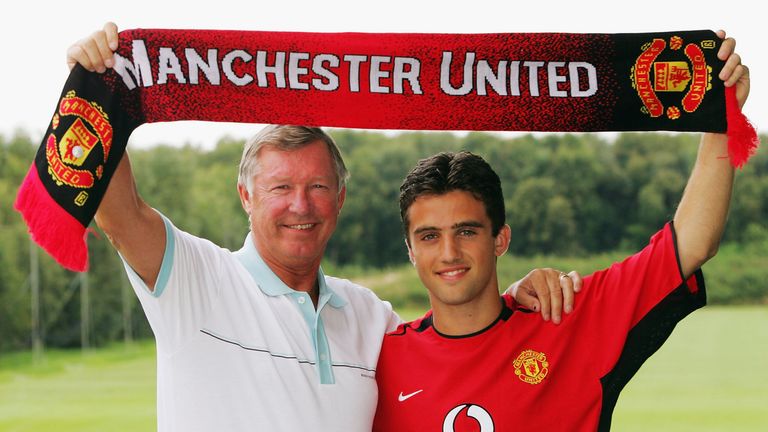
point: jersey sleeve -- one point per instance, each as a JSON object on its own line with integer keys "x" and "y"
{"x": 629, "y": 309}
{"x": 186, "y": 287}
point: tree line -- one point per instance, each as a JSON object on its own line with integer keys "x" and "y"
{"x": 566, "y": 194}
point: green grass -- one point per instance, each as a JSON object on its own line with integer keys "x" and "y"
{"x": 711, "y": 375}
{"x": 109, "y": 389}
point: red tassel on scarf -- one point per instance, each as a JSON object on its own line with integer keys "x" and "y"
{"x": 742, "y": 136}
{"x": 51, "y": 227}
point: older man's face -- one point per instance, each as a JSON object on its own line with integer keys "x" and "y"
{"x": 294, "y": 205}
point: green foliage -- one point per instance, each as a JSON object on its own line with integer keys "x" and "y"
{"x": 735, "y": 276}
{"x": 577, "y": 195}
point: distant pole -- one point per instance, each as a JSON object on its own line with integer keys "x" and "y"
{"x": 127, "y": 296}
{"x": 34, "y": 280}
{"x": 85, "y": 312}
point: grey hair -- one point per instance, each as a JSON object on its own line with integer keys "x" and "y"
{"x": 287, "y": 138}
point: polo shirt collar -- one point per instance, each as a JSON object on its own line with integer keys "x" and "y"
{"x": 272, "y": 285}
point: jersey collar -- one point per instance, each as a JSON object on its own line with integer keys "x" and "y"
{"x": 504, "y": 314}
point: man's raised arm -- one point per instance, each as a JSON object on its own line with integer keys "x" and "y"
{"x": 702, "y": 213}
{"x": 135, "y": 229}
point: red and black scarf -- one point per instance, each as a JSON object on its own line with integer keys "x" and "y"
{"x": 513, "y": 82}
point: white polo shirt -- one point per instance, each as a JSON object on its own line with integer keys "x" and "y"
{"x": 238, "y": 350}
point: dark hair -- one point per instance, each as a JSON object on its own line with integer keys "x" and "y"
{"x": 446, "y": 172}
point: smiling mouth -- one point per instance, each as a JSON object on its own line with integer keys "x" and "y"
{"x": 453, "y": 273}
{"x": 301, "y": 227}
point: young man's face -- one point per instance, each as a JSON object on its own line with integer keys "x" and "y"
{"x": 453, "y": 248}
{"x": 294, "y": 204}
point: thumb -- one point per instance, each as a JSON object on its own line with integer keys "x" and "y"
{"x": 528, "y": 301}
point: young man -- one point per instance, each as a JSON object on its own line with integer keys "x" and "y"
{"x": 476, "y": 363}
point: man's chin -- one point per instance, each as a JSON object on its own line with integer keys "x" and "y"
{"x": 304, "y": 256}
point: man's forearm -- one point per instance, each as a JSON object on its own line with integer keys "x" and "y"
{"x": 133, "y": 228}
{"x": 702, "y": 213}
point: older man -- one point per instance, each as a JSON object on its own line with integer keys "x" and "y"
{"x": 259, "y": 339}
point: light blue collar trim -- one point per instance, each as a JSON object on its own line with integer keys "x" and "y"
{"x": 271, "y": 285}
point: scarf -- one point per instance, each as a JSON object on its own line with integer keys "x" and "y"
{"x": 514, "y": 82}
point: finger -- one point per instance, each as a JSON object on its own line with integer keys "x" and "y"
{"x": 738, "y": 72}
{"x": 91, "y": 50}
{"x": 566, "y": 285}
{"x": 103, "y": 49}
{"x": 720, "y": 33}
{"x": 742, "y": 90}
{"x": 735, "y": 70}
{"x": 523, "y": 294}
{"x": 726, "y": 53}
{"x": 110, "y": 29}
{"x": 540, "y": 285}
{"x": 726, "y": 48}
{"x": 535, "y": 305}
{"x": 525, "y": 297}
{"x": 577, "y": 280}
{"x": 75, "y": 55}
{"x": 556, "y": 298}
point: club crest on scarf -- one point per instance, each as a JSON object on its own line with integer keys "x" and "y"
{"x": 671, "y": 76}
{"x": 87, "y": 127}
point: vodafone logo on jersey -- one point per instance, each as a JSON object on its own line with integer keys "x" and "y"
{"x": 468, "y": 417}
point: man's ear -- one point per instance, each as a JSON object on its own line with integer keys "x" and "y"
{"x": 342, "y": 197}
{"x": 245, "y": 198}
{"x": 501, "y": 242}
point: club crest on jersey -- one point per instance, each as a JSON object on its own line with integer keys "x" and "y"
{"x": 67, "y": 157}
{"x": 669, "y": 77}
{"x": 531, "y": 366}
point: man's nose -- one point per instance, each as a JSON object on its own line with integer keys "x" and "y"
{"x": 450, "y": 251}
{"x": 300, "y": 202}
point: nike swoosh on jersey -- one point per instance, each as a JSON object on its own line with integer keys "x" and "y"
{"x": 402, "y": 397}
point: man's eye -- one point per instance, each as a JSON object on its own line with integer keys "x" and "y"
{"x": 427, "y": 237}
{"x": 467, "y": 232}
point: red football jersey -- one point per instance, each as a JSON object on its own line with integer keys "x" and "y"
{"x": 522, "y": 372}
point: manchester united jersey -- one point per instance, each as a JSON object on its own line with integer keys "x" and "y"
{"x": 523, "y": 373}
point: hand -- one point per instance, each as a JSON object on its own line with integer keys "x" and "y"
{"x": 95, "y": 52}
{"x": 733, "y": 72}
{"x": 547, "y": 290}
